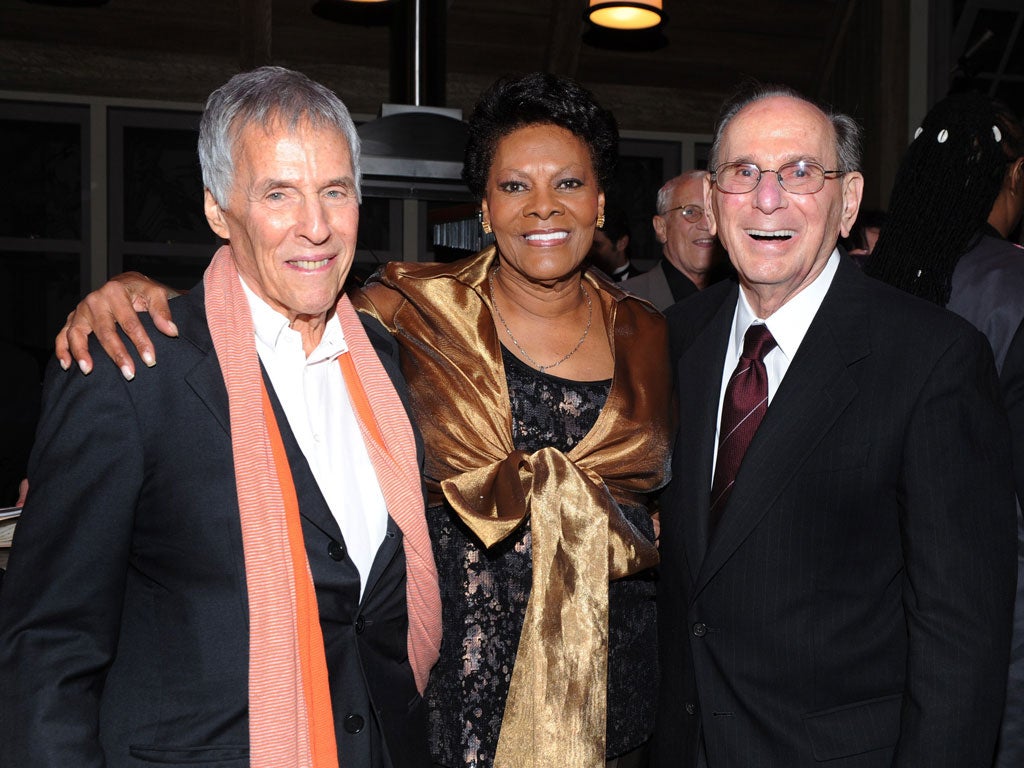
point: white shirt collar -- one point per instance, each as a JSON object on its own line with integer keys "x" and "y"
{"x": 789, "y": 323}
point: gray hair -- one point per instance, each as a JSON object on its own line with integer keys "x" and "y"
{"x": 665, "y": 193}
{"x": 846, "y": 129}
{"x": 264, "y": 97}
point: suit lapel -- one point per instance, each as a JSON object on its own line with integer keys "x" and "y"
{"x": 816, "y": 390}
{"x": 700, "y": 384}
{"x": 661, "y": 292}
{"x": 205, "y": 379}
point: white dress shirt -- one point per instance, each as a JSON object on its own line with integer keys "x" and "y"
{"x": 315, "y": 399}
{"x": 788, "y": 326}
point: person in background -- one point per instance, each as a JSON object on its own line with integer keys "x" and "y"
{"x": 692, "y": 258}
{"x": 837, "y": 541}
{"x": 959, "y": 194}
{"x": 610, "y": 250}
{"x": 203, "y": 573}
{"x": 543, "y": 393}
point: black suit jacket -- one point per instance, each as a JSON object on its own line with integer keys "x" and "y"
{"x": 854, "y": 604}
{"x": 123, "y": 617}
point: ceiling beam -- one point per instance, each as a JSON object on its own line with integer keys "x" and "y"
{"x": 840, "y": 24}
{"x": 562, "y": 55}
{"x": 254, "y": 33}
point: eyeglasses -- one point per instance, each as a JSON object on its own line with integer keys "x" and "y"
{"x": 801, "y": 178}
{"x": 692, "y": 213}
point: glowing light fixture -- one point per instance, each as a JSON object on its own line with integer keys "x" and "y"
{"x": 625, "y": 14}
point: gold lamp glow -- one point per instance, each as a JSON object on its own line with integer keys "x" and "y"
{"x": 625, "y": 14}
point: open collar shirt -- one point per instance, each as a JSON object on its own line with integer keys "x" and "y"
{"x": 315, "y": 400}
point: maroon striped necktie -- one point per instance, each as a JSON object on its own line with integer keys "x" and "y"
{"x": 744, "y": 406}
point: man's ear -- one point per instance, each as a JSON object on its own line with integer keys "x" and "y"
{"x": 622, "y": 244}
{"x": 215, "y": 215}
{"x": 660, "y": 232}
{"x": 853, "y": 190}
{"x": 709, "y": 209}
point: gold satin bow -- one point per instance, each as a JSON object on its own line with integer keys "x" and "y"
{"x": 451, "y": 355}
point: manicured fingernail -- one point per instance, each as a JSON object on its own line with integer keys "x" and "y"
{"x": 174, "y": 329}
{"x": 127, "y": 372}
{"x": 83, "y": 367}
{"x": 64, "y": 364}
{"x": 147, "y": 358}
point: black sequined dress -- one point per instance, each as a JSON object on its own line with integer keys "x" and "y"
{"x": 484, "y": 595}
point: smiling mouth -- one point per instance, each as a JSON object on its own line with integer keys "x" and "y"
{"x": 546, "y": 237}
{"x": 310, "y": 266}
{"x": 765, "y": 236}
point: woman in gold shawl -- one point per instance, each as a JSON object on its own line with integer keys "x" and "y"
{"x": 542, "y": 392}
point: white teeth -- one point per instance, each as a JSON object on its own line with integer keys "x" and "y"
{"x": 311, "y": 264}
{"x": 766, "y": 233}
{"x": 548, "y": 236}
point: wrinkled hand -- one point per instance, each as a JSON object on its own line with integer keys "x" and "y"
{"x": 116, "y": 303}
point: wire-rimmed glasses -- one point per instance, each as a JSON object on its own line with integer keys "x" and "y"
{"x": 802, "y": 177}
{"x": 692, "y": 213}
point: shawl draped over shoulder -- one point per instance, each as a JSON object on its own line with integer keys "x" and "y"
{"x": 441, "y": 316}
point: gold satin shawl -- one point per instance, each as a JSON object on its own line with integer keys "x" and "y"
{"x": 451, "y": 356}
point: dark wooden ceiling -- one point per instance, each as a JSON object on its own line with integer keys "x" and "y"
{"x": 180, "y": 50}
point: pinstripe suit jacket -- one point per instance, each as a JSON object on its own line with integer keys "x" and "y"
{"x": 854, "y": 605}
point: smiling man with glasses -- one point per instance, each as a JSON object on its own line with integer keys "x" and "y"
{"x": 838, "y": 541}
{"x": 692, "y": 257}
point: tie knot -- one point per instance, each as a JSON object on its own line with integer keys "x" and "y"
{"x": 758, "y": 342}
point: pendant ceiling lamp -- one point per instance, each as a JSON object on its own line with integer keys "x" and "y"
{"x": 625, "y": 14}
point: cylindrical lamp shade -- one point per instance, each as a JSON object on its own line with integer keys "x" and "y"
{"x": 625, "y": 14}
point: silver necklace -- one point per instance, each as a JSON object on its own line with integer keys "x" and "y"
{"x": 530, "y": 360}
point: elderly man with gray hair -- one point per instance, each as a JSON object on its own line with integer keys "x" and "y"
{"x": 692, "y": 257}
{"x": 838, "y": 542}
{"x": 226, "y": 562}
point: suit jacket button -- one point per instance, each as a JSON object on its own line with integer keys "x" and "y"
{"x": 699, "y": 629}
{"x": 360, "y": 624}
{"x": 336, "y": 550}
{"x": 691, "y": 708}
{"x": 353, "y": 723}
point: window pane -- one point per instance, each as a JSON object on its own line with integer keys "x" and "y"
{"x": 42, "y": 161}
{"x": 163, "y": 187}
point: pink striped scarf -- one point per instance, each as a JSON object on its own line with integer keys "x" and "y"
{"x": 279, "y": 716}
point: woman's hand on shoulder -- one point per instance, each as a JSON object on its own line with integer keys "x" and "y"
{"x": 116, "y": 303}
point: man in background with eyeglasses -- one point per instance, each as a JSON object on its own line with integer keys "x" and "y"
{"x": 692, "y": 258}
{"x": 838, "y": 541}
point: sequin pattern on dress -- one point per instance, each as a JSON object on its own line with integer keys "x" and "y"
{"x": 484, "y": 595}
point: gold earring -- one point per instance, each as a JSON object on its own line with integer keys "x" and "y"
{"x": 600, "y": 221}
{"x": 485, "y": 225}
